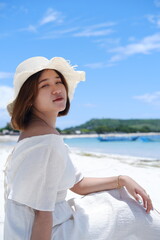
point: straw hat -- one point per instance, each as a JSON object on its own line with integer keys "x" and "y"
{"x": 36, "y": 64}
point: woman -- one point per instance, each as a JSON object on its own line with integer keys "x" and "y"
{"x": 39, "y": 171}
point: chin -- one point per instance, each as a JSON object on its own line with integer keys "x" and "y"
{"x": 60, "y": 109}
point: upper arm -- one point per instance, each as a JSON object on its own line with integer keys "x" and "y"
{"x": 46, "y": 215}
{"x": 42, "y": 226}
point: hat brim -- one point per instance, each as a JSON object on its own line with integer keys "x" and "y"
{"x": 71, "y": 76}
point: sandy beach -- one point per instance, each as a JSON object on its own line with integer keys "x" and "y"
{"x": 94, "y": 165}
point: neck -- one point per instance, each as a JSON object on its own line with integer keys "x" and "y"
{"x": 48, "y": 121}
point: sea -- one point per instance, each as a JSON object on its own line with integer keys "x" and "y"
{"x": 139, "y": 149}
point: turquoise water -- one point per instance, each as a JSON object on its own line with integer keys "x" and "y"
{"x": 130, "y": 148}
{"x": 135, "y": 148}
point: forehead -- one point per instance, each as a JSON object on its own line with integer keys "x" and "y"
{"x": 48, "y": 72}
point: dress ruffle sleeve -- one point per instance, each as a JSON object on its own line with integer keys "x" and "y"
{"x": 78, "y": 174}
{"x": 37, "y": 177}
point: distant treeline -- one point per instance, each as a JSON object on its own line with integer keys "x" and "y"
{"x": 116, "y": 125}
{"x": 110, "y": 126}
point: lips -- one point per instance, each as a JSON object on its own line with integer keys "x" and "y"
{"x": 58, "y": 99}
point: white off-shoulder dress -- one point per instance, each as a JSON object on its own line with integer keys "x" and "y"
{"x": 38, "y": 174}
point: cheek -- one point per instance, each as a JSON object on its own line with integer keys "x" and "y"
{"x": 40, "y": 100}
{"x": 65, "y": 91}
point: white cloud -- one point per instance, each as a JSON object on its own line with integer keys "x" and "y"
{"x": 56, "y": 17}
{"x": 108, "y": 41}
{"x": 151, "y": 98}
{"x": 7, "y": 93}
{"x": 52, "y": 16}
{"x": 145, "y": 46}
{"x": 99, "y": 65}
{"x": 57, "y": 33}
{"x": 90, "y": 31}
{"x": 100, "y": 29}
{"x": 95, "y": 65}
{"x": 30, "y": 28}
{"x": 93, "y": 33}
{"x": 101, "y": 25}
{"x": 4, "y": 75}
{"x": 154, "y": 19}
{"x": 157, "y": 3}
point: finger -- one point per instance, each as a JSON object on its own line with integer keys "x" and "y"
{"x": 149, "y": 205}
{"x": 137, "y": 198}
{"x": 144, "y": 201}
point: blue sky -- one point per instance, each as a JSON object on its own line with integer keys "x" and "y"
{"x": 116, "y": 42}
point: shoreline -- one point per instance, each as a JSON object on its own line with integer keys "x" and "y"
{"x": 8, "y": 137}
{"x": 109, "y": 135}
{"x": 122, "y": 157}
{"x": 136, "y": 152}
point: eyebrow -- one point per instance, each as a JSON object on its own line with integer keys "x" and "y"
{"x": 46, "y": 79}
{"x": 43, "y": 80}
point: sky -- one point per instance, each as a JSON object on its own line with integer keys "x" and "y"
{"x": 117, "y": 44}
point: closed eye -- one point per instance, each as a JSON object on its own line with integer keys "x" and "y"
{"x": 45, "y": 85}
{"x": 59, "y": 82}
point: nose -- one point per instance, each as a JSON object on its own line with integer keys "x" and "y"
{"x": 57, "y": 91}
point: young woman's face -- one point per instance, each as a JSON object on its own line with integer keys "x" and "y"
{"x": 52, "y": 95}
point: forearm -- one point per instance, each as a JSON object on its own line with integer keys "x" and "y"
{"x": 42, "y": 226}
{"x": 89, "y": 185}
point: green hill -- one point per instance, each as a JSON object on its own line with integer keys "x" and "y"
{"x": 116, "y": 125}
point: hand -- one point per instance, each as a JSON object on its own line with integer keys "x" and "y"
{"x": 137, "y": 192}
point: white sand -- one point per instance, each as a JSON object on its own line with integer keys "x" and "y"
{"x": 97, "y": 165}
